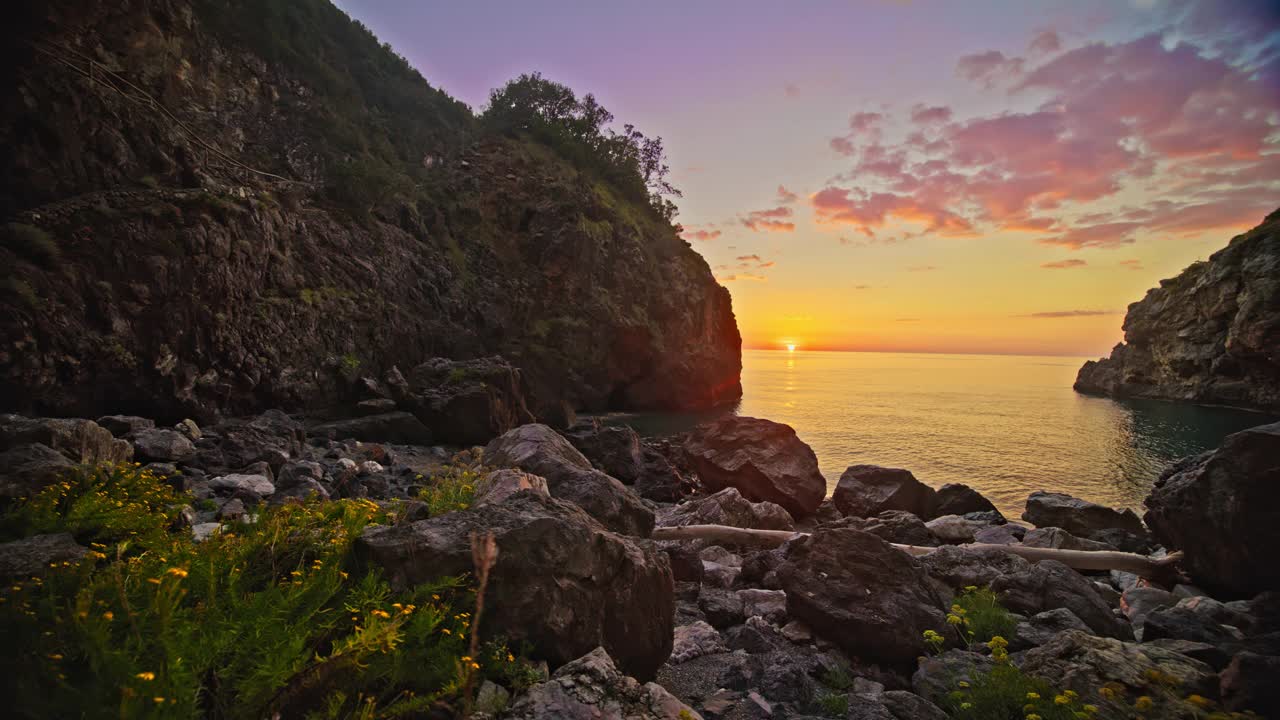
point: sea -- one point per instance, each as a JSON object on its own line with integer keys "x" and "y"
{"x": 1006, "y": 425}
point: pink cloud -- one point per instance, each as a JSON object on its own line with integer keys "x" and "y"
{"x": 785, "y": 196}
{"x": 836, "y": 205}
{"x": 1064, "y": 264}
{"x": 703, "y": 235}
{"x": 1046, "y": 42}
{"x": 989, "y": 68}
{"x": 743, "y": 276}
{"x": 1104, "y": 235}
{"x": 844, "y": 146}
{"x": 791, "y": 90}
{"x": 1133, "y": 264}
{"x": 771, "y": 220}
{"x": 928, "y": 115}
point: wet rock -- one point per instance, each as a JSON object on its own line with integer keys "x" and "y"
{"x": 561, "y": 580}
{"x": 502, "y": 484}
{"x": 392, "y": 427}
{"x": 542, "y": 451}
{"x": 727, "y": 507}
{"x": 591, "y": 688}
{"x": 895, "y": 526}
{"x": 27, "y": 469}
{"x": 1077, "y": 661}
{"x": 1042, "y": 627}
{"x": 1219, "y": 508}
{"x": 867, "y": 490}
{"x": 764, "y": 460}
{"x": 121, "y": 425}
{"x": 31, "y": 556}
{"x": 854, "y": 589}
{"x": 1078, "y": 517}
{"x": 1049, "y": 584}
{"x": 465, "y": 402}
{"x": 695, "y": 640}
{"x": 958, "y": 499}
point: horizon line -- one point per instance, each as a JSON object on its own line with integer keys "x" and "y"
{"x": 772, "y": 348}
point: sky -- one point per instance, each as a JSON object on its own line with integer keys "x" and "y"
{"x": 913, "y": 175}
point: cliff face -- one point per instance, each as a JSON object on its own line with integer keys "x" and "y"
{"x": 214, "y": 212}
{"x": 1210, "y": 335}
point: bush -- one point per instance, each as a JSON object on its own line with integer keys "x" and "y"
{"x": 981, "y": 616}
{"x": 453, "y": 488}
{"x": 32, "y": 244}
{"x": 264, "y": 618}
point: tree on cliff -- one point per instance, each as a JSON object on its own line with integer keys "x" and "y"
{"x": 577, "y": 129}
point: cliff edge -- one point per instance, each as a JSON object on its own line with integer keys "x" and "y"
{"x": 1210, "y": 335}
{"x": 215, "y": 208}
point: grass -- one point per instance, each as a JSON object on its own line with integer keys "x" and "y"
{"x": 261, "y": 619}
{"x": 32, "y": 244}
{"x": 981, "y": 616}
{"x": 454, "y": 488}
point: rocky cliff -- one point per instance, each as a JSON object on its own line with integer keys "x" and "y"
{"x": 215, "y": 208}
{"x": 1210, "y": 335}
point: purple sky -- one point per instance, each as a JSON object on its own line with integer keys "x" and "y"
{"x": 969, "y": 176}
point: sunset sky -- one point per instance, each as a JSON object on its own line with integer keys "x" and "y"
{"x": 976, "y": 176}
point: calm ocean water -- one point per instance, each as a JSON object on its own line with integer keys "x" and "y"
{"x": 1006, "y": 425}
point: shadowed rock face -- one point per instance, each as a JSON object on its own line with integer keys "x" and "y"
{"x": 1209, "y": 335}
{"x": 174, "y": 285}
{"x": 1220, "y": 508}
{"x": 763, "y": 459}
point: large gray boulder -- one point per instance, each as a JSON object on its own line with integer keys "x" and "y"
{"x": 1078, "y": 517}
{"x": 31, "y": 556}
{"x": 159, "y": 445}
{"x": 561, "y": 581}
{"x": 764, "y": 460}
{"x": 592, "y": 688}
{"x": 727, "y": 507}
{"x": 618, "y": 451}
{"x": 538, "y": 449}
{"x": 856, "y": 590}
{"x": 1049, "y": 584}
{"x": 464, "y": 402}
{"x": 959, "y": 499}
{"x": 895, "y": 526}
{"x": 1084, "y": 663}
{"x": 80, "y": 441}
{"x": 867, "y": 490}
{"x": 1223, "y": 510}
{"x": 27, "y": 469}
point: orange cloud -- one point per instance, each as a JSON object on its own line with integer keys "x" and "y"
{"x": 703, "y": 235}
{"x": 770, "y": 220}
{"x": 1064, "y": 264}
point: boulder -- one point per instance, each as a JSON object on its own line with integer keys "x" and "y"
{"x": 159, "y": 445}
{"x": 1249, "y": 683}
{"x": 1007, "y": 534}
{"x": 1199, "y": 619}
{"x": 727, "y": 507}
{"x": 866, "y": 490}
{"x": 857, "y": 591}
{"x": 958, "y": 499}
{"x": 1221, "y": 509}
{"x": 375, "y": 406}
{"x": 402, "y": 428}
{"x": 903, "y": 705}
{"x": 958, "y": 566}
{"x": 1140, "y": 601}
{"x": 254, "y": 485}
{"x": 695, "y": 640}
{"x": 121, "y": 425}
{"x": 614, "y": 449}
{"x": 1042, "y": 627}
{"x": 465, "y": 402}
{"x": 542, "y": 451}
{"x": 27, "y": 469}
{"x": 592, "y": 688}
{"x": 954, "y": 529}
{"x": 768, "y": 604}
{"x": 937, "y": 676}
{"x": 271, "y": 437}
{"x": 499, "y": 485}
{"x": 1078, "y": 517}
{"x": 1075, "y": 660}
{"x": 764, "y": 460}
{"x": 722, "y": 608}
{"x": 561, "y": 581}
{"x": 1054, "y": 537}
{"x": 31, "y": 556}
{"x": 80, "y": 441}
{"x": 895, "y": 526}
{"x": 1049, "y": 584}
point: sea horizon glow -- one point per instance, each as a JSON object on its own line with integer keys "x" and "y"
{"x": 988, "y": 177}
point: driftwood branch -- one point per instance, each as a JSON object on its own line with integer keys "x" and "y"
{"x": 1142, "y": 565}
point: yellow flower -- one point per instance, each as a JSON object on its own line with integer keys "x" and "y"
{"x": 1107, "y": 693}
{"x": 154, "y": 581}
{"x": 1070, "y": 694}
{"x": 158, "y": 699}
{"x": 1200, "y": 701}
{"x": 1091, "y": 709}
{"x": 510, "y": 657}
{"x": 55, "y": 656}
{"x": 1142, "y": 704}
{"x": 381, "y": 614}
{"x": 1033, "y": 696}
{"x": 148, "y": 676}
{"x": 965, "y": 706}
{"x": 1061, "y": 700}
{"x": 954, "y": 620}
{"x": 963, "y": 684}
{"x": 108, "y": 615}
{"x": 445, "y": 631}
{"x": 475, "y": 666}
{"x": 176, "y": 572}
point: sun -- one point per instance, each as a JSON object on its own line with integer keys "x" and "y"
{"x": 791, "y": 347}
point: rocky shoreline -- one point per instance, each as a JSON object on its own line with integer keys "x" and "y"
{"x": 834, "y": 622}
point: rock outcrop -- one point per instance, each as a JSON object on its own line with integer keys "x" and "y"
{"x": 1222, "y": 509}
{"x": 591, "y": 687}
{"x": 867, "y": 490}
{"x": 763, "y": 459}
{"x": 561, "y": 581}
{"x": 1209, "y": 335}
{"x": 257, "y": 225}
